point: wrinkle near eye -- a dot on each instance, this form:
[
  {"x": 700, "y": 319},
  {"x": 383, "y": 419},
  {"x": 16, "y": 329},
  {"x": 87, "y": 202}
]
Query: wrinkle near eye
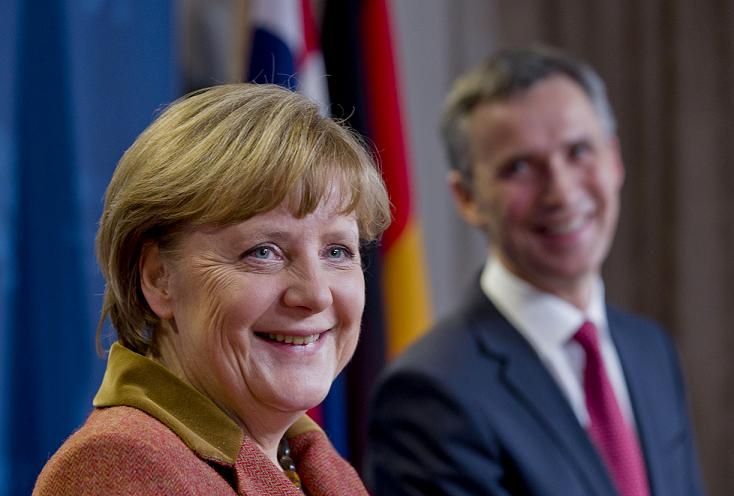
[
  {"x": 261, "y": 266},
  {"x": 217, "y": 277}
]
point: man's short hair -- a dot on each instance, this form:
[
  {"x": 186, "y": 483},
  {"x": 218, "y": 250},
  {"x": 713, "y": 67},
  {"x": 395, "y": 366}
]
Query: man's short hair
[{"x": 503, "y": 75}]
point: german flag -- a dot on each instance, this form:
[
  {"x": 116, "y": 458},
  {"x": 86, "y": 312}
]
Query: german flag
[
  {"x": 364, "y": 86},
  {"x": 363, "y": 89}
]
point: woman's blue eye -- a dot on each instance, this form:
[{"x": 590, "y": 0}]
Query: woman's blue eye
[
  {"x": 338, "y": 252},
  {"x": 262, "y": 252}
]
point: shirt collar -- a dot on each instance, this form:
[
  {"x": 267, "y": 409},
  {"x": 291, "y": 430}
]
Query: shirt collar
[{"x": 545, "y": 319}]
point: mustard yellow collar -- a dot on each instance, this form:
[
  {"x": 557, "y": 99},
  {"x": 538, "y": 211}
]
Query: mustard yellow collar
[
  {"x": 139, "y": 382},
  {"x": 134, "y": 380}
]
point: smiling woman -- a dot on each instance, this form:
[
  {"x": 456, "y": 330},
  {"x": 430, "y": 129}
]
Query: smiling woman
[{"x": 230, "y": 243}]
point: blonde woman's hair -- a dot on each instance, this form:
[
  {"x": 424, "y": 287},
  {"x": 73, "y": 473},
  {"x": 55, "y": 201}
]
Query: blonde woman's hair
[{"x": 220, "y": 156}]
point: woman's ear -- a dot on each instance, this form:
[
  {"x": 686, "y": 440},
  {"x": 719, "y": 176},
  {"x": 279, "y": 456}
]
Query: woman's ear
[{"x": 155, "y": 280}]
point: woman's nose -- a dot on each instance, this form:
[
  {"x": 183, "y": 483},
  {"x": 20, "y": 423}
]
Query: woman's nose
[{"x": 309, "y": 290}]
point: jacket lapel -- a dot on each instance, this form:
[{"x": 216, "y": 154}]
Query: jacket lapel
[
  {"x": 642, "y": 395},
  {"x": 528, "y": 380}
]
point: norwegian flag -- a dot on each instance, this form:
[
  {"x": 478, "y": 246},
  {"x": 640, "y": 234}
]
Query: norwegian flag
[{"x": 285, "y": 48}]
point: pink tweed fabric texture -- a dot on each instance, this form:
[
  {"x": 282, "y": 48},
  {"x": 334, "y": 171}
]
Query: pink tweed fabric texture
[{"x": 123, "y": 451}]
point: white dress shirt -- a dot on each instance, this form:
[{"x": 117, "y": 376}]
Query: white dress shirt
[{"x": 549, "y": 323}]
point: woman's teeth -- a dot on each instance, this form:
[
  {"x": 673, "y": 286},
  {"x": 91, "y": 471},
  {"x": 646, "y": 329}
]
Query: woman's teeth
[{"x": 296, "y": 340}]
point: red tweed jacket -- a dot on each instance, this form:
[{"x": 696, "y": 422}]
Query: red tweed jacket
[{"x": 150, "y": 433}]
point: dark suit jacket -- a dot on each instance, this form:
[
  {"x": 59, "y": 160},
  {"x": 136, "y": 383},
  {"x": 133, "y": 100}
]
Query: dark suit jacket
[{"x": 471, "y": 410}]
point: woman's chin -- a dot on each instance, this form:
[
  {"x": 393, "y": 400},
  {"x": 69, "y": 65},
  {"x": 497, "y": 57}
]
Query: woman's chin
[
  {"x": 301, "y": 398},
  {"x": 301, "y": 402}
]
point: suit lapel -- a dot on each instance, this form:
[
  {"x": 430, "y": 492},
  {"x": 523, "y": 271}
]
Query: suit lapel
[
  {"x": 633, "y": 359},
  {"x": 528, "y": 380}
]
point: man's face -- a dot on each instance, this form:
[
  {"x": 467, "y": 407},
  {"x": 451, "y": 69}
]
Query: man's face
[{"x": 545, "y": 184}]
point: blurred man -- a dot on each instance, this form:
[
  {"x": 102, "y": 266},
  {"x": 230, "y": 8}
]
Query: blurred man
[{"x": 535, "y": 386}]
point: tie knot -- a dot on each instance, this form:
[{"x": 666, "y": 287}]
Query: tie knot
[{"x": 588, "y": 337}]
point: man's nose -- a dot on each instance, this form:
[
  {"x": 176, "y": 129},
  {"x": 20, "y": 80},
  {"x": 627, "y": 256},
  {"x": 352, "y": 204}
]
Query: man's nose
[
  {"x": 309, "y": 289},
  {"x": 561, "y": 183}
]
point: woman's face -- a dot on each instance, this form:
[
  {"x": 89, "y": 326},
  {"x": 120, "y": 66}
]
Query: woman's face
[{"x": 265, "y": 313}]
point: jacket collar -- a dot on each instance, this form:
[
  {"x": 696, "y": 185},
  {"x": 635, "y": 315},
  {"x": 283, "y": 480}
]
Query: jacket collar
[
  {"x": 526, "y": 378},
  {"x": 139, "y": 382},
  {"x": 642, "y": 389},
  {"x": 134, "y": 380}
]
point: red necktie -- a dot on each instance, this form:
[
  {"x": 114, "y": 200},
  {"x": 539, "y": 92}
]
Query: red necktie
[{"x": 614, "y": 439}]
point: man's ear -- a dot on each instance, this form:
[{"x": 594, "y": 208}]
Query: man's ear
[
  {"x": 619, "y": 162},
  {"x": 155, "y": 280},
  {"x": 465, "y": 200}
]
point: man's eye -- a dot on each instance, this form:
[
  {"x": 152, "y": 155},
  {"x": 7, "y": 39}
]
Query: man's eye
[
  {"x": 579, "y": 150},
  {"x": 514, "y": 168}
]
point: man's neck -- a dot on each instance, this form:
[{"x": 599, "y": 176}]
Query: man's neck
[{"x": 577, "y": 291}]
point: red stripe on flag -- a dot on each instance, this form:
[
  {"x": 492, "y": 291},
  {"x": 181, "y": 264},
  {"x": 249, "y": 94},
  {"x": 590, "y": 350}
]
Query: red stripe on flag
[
  {"x": 310, "y": 40},
  {"x": 383, "y": 103}
]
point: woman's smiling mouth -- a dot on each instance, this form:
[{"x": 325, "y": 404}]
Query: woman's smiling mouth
[{"x": 290, "y": 338}]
